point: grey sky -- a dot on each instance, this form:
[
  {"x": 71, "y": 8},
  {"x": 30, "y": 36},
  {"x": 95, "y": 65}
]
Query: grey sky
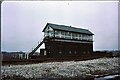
[{"x": 22, "y": 22}]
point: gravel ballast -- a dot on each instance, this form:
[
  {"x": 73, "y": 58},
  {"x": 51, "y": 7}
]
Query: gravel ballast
[{"x": 62, "y": 69}]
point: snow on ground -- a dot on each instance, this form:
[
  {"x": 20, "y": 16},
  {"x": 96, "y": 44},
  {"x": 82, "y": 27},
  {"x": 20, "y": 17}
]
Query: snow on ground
[{"x": 61, "y": 69}]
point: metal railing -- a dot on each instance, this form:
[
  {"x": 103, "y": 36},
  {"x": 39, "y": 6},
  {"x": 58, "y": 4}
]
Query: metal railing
[{"x": 35, "y": 49}]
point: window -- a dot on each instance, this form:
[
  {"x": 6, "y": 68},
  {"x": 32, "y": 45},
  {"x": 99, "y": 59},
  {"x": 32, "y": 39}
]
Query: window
[
  {"x": 51, "y": 33},
  {"x": 60, "y": 52},
  {"x": 57, "y": 34},
  {"x": 79, "y": 36},
  {"x": 70, "y": 52},
  {"x": 83, "y": 37},
  {"x": 48, "y": 32},
  {"x": 88, "y": 52},
  {"x": 67, "y": 35},
  {"x": 45, "y": 53},
  {"x": 75, "y": 52},
  {"x": 45, "y": 34},
  {"x": 91, "y": 38},
  {"x": 73, "y": 35},
  {"x": 88, "y": 38},
  {"x": 62, "y": 34},
  {"x": 83, "y": 52}
]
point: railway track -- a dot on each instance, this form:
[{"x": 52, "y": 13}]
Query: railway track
[{"x": 53, "y": 59}]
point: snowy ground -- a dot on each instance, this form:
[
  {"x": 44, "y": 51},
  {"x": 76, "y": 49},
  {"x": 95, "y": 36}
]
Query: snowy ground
[{"x": 61, "y": 69}]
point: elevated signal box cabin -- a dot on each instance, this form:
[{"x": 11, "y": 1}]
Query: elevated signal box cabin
[{"x": 66, "y": 40}]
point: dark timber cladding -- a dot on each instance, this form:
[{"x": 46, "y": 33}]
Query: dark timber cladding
[{"x": 66, "y": 40}]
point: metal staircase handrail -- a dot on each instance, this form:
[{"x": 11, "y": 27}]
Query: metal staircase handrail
[{"x": 35, "y": 49}]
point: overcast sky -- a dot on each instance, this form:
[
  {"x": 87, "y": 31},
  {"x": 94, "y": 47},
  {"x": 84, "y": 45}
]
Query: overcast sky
[{"x": 23, "y": 22}]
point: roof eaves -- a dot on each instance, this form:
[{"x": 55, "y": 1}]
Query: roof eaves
[
  {"x": 45, "y": 27},
  {"x": 67, "y": 28}
]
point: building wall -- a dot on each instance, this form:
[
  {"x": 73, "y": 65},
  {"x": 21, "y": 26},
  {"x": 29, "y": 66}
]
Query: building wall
[{"x": 58, "y": 48}]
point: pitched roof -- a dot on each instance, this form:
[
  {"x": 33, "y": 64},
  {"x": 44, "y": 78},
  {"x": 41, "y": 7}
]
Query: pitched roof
[{"x": 68, "y": 28}]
